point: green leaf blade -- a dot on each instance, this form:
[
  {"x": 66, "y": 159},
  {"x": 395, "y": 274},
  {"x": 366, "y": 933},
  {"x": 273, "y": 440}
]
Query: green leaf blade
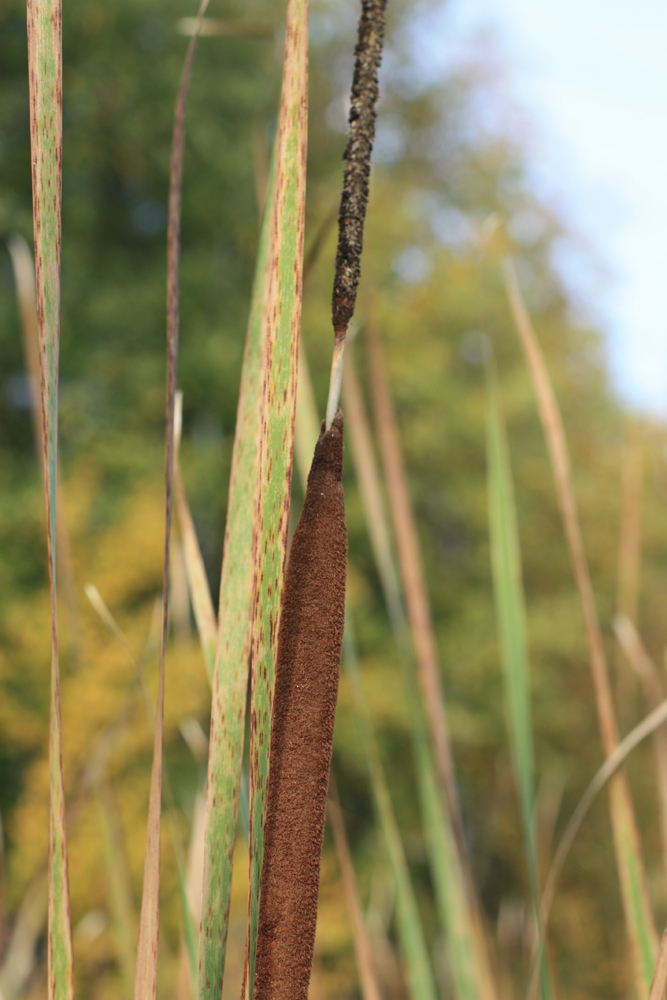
[
  {"x": 45, "y": 80},
  {"x": 511, "y": 618},
  {"x": 230, "y": 676},
  {"x": 279, "y": 377}
]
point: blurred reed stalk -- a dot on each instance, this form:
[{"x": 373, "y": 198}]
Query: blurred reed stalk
[
  {"x": 659, "y": 984},
  {"x": 511, "y": 620},
  {"x": 629, "y": 553},
  {"x": 45, "y": 86},
  {"x": 145, "y": 985},
  {"x": 638, "y": 916},
  {"x": 458, "y": 911},
  {"x": 646, "y": 672},
  {"x": 24, "y": 278},
  {"x": 362, "y": 946},
  {"x": 605, "y": 773}
]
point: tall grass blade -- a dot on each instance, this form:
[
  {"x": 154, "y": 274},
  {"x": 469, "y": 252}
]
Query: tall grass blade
[
  {"x": 19, "y": 955},
  {"x": 26, "y": 294},
  {"x": 511, "y": 613},
  {"x": 649, "y": 677},
  {"x": 306, "y": 423},
  {"x": 121, "y": 903},
  {"x": 362, "y": 946},
  {"x": 659, "y": 984},
  {"x": 410, "y": 931},
  {"x": 145, "y": 985},
  {"x": 638, "y": 916},
  {"x": 281, "y": 317},
  {"x": 458, "y": 909},
  {"x": 629, "y": 558},
  {"x": 511, "y": 617},
  {"x": 4, "y": 924},
  {"x": 45, "y": 81},
  {"x": 604, "y": 774},
  {"x": 226, "y": 29},
  {"x": 466, "y": 947},
  {"x": 200, "y": 593},
  {"x": 411, "y": 570},
  {"x": 96, "y": 768},
  {"x": 234, "y": 635},
  {"x": 630, "y": 541}
]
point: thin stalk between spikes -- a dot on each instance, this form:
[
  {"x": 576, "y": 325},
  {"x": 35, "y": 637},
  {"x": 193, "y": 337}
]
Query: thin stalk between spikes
[
  {"x": 145, "y": 986},
  {"x": 354, "y": 200}
]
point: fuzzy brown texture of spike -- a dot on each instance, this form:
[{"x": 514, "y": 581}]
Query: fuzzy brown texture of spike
[
  {"x": 354, "y": 200},
  {"x": 312, "y": 621}
]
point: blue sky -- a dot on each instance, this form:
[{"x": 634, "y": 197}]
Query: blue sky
[{"x": 592, "y": 78}]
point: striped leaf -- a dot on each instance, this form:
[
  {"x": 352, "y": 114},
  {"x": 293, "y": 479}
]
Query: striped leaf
[
  {"x": 45, "y": 80},
  {"x": 282, "y": 316},
  {"x": 232, "y": 657}
]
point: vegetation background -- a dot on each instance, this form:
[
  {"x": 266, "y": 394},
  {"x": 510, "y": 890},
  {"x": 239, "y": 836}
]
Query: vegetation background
[{"x": 448, "y": 162}]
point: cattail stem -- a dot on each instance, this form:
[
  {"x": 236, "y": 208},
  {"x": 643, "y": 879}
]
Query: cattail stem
[{"x": 335, "y": 381}]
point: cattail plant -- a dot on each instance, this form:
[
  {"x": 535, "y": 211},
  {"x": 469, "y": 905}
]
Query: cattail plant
[
  {"x": 312, "y": 613},
  {"x": 275, "y": 649}
]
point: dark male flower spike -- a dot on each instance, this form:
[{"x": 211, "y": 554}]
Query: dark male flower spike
[{"x": 354, "y": 200}]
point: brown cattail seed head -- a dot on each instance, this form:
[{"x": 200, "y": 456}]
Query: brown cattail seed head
[{"x": 304, "y": 709}]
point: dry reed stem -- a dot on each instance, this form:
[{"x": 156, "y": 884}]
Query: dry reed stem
[
  {"x": 310, "y": 639},
  {"x": 659, "y": 984},
  {"x": 368, "y": 479},
  {"x": 197, "y": 581},
  {"x": 412, "y": 573},
  {"x": 634, "y": 891},
  {"x": 121, "y": 901},
  {"x": 630, "y": 543},
  {"x": 4, "y": 922},
  {"x": 145, "y": 986},
  {"x": 315, "y": 249},
  {"x": 606, "y": 773},
  {"x": 362, "y": 946},
  {"x": 629, "y": 559},
  {"x": 365, "y": 465},
  {"x": 24, "y": 277},
  {"x": 647, "y": 673},
  {"x": 211, "y": 26},
  {"x": 560, "y": 461}
]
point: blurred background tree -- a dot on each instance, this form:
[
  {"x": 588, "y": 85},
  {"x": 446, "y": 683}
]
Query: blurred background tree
[{"x": 449, "y": 193}]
